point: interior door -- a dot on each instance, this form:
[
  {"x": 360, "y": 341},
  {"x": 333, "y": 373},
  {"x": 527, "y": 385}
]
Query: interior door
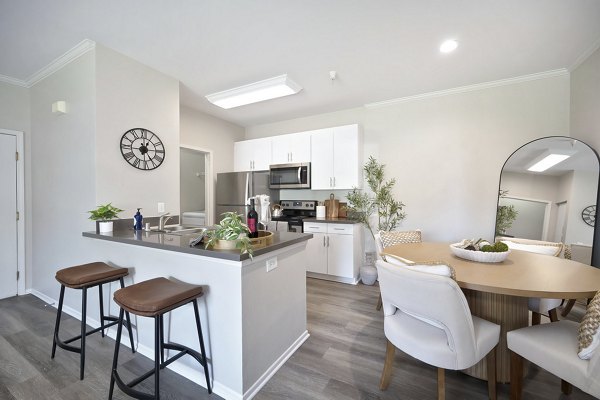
[{"x": 8, "y": 216}]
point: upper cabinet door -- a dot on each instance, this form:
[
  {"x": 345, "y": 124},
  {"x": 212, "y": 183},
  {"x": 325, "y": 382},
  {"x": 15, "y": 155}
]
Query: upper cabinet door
[
  {"x": 292, "y": 148},
  {"x": 252, "y": 155},
  {"x": 347, "y": 165},
  {"x": 321, "y": 159}
]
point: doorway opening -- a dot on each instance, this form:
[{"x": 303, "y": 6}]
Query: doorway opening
[
  {"x": 196, "y": 186},
  {"x": 533, "y": 218}
]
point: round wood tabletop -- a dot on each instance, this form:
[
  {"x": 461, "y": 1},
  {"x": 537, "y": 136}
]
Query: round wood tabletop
[{"x": 521, "y": 274}]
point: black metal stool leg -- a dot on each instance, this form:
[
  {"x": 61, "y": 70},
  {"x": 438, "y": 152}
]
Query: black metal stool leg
[
  {"x": 116, "y": 355},
  {"x": 157, "y": 359},
  {"x": 58, "y": 315},
  {"x": 101, "y": 298},
  {"x": 201, "y": 338},
  {"x": 162, "y": 339},
  {"x": 128, "y": 321},
  {"x": 83, "y": 329}
]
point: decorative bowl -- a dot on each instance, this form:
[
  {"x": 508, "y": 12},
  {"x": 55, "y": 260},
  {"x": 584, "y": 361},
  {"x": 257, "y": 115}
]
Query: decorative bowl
[{"x": 479, "y": 256}]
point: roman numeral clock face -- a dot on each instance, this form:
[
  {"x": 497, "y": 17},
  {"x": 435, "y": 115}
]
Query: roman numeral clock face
[{"x": 142, "y": 149}]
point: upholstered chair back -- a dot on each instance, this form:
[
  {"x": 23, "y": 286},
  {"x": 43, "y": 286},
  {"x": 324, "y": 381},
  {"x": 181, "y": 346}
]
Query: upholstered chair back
[{"x": 435, "y": 300}]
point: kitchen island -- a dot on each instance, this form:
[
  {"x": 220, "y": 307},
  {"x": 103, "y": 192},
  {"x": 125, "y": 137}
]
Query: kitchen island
[{"x": 253, "y": 310}]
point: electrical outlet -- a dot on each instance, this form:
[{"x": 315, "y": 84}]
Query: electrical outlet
[
  {"x": 161, "y": 207},
  {"x": 272, "y": 264},
  {"x": 370, "y": 257}
]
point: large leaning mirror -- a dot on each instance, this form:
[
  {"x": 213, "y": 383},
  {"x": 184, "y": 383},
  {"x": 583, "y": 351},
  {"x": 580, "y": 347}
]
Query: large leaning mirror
[{"x": 552, "y": 203}]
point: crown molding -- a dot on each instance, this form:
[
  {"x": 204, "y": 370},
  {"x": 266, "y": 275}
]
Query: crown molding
[
  {"x": 80, "y": 49},
  {"x": 471, "y": 88},
  {"x": 13, "y": 81},
  {"x": 581, "y": 59}
]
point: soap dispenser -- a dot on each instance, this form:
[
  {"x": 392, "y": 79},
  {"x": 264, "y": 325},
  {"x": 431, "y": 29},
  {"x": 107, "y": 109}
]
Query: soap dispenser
[{"x": 138, "y": 220}]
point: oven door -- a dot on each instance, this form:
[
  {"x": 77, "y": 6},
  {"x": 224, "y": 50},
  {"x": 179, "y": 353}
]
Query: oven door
[{"x": 290, "y": 176}]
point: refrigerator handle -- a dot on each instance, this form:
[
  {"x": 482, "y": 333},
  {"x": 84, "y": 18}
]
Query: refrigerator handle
[{"x": 248, "y": 183}]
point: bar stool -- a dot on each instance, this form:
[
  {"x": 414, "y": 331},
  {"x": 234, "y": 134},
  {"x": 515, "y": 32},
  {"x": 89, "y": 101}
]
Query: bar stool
[
  {"x": 84, "y": 277},
  {"x": 153, "y": 298}
]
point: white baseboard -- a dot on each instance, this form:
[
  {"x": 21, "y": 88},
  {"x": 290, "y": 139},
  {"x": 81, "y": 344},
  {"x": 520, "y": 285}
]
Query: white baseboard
[
  {"x": 333, "y": 278},
  {"x": 254, "y": 389}
]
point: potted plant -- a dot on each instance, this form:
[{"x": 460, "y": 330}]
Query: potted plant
[
  {"x": 377, "y": 211},
  {"x": 505, "y": 215},
  {"x": 231, "y": 233},
  {"x": 104, "y": 214}
]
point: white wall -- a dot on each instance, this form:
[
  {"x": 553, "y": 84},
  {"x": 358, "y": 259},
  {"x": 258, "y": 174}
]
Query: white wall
[
  {"x": 447, "y": 152},
  {"x": 132, "y": 95},
  {"x": 583, "y": 194},
  {"x": 63, "y": 171},
  {"x": 206, "y": 132},
  {"x": 585, "y": 101}
]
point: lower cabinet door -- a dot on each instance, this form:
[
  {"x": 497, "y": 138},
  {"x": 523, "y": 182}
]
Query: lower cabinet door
[
  {"x": 341, "y": 255},
  {"x": 316, "y": 252}
]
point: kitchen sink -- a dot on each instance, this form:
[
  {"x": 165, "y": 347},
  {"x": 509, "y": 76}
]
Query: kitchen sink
[{"x": 179, "y": 229}]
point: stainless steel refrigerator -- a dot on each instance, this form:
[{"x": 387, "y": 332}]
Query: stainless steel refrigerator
[{"x": 233, "y": 188}]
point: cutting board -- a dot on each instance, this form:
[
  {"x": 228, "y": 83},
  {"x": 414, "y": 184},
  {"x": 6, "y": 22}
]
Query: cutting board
[{"x": 332, "y": 207}]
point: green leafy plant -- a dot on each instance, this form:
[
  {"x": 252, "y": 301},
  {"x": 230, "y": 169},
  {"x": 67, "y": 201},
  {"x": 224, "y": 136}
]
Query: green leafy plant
[
  {"x": 362, "y": 206},
  {"x": 231, "y": 227},
  {"x": 104, "y": 213},
  {"x": 505, "y": 215}
]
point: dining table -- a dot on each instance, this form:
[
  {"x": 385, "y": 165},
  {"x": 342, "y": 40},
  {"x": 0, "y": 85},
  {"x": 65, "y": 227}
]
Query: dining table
[{"x": 498, "y": 292}]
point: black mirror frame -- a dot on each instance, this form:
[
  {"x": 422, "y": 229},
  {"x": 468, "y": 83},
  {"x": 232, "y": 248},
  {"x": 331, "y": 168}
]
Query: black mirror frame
[{"x": 596, "y": 237}]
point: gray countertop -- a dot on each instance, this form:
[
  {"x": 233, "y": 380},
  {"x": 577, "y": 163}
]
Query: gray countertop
[{"x": 180, "y": 243}]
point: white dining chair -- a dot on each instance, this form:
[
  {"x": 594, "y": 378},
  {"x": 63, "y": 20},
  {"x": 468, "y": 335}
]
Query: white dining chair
[
  {"x": 533, "y": 343},
  {"x": 536, "y": 305},
  {"x": 426, "y": 316},
  {"x": 385, "y": 239}
]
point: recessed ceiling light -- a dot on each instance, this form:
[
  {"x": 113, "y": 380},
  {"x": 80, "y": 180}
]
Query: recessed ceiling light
[
  {"x": 449, "y": 46},
  {"x": 267, "y": 89}
]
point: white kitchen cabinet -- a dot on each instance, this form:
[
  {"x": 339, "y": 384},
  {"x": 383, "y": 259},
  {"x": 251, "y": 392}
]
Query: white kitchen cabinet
[
  {"x": 291, "y": 148},
  {"x": 336, "y": 158},
  {"x": 252, "y": 155},
  {"x": 335, "y": 252}
]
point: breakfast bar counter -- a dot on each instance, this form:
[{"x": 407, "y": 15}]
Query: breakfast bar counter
[{"x": 253, "y": 310}]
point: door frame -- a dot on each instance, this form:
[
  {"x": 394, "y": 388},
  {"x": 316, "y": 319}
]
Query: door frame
[
  {"x": 20, "y": 208},
  {"x": 208, "y": 181}
]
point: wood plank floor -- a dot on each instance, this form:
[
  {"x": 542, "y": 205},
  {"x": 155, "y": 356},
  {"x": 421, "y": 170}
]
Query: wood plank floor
[{"x": 342, "y": 359}]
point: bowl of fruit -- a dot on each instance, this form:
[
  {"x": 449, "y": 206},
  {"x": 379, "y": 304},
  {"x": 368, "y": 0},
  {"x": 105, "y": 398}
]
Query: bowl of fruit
[{"x": 480, "y": 250}]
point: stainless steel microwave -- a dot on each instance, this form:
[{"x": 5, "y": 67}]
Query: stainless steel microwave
[{"x": 289, "y": 176}]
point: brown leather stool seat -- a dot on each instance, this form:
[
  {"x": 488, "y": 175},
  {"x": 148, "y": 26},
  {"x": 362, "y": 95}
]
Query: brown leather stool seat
[
  {"x": 153, "y": 298},
  {"x": 83, "y": 277}
]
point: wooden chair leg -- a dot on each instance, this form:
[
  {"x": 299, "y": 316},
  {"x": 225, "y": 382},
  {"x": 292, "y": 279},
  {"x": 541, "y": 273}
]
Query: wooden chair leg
[
  {"x": 516, "y": 376},
  {"x": 566, "y": 387},
  {"x": 553, "y": 315},
  {"x": 568, "y": 307},
  {"x": 387, "y": 366},
  {"x": 441, "y": 384},
  {"x": 536, "y": 318},
  {"x": 379, "y": 303},
  {"x": 491, "y": 373}
]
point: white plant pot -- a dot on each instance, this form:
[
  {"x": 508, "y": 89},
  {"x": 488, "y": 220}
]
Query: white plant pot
[
  {"x": 368, "y": 274},
  {"x": 105, "y": 227}
]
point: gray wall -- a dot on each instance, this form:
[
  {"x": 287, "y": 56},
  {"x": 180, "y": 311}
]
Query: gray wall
[{"x": 585, "y": 101}]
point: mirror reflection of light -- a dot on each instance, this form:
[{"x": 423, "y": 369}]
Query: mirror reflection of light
[{"x": 548, "y": 162}]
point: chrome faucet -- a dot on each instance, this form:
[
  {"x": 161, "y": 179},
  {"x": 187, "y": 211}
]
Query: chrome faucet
[{"x": 162, "y": 221}]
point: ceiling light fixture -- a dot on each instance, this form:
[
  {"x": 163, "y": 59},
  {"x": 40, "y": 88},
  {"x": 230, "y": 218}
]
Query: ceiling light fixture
[
  {"x": 547, "y": 161},
  {"x": 267, "y": 89},
  {"x": 448, "y": 46}
]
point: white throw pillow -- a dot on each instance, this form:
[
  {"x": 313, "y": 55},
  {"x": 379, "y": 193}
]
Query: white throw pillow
[
  {"x": 434, "y": 267},
  {"x": 589, "y": 334}
]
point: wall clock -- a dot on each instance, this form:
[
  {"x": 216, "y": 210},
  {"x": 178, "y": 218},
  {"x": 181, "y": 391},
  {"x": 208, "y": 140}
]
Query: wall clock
[
  {"x": 142, "y": 149},
  {"x": 589, "y": 215}
]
